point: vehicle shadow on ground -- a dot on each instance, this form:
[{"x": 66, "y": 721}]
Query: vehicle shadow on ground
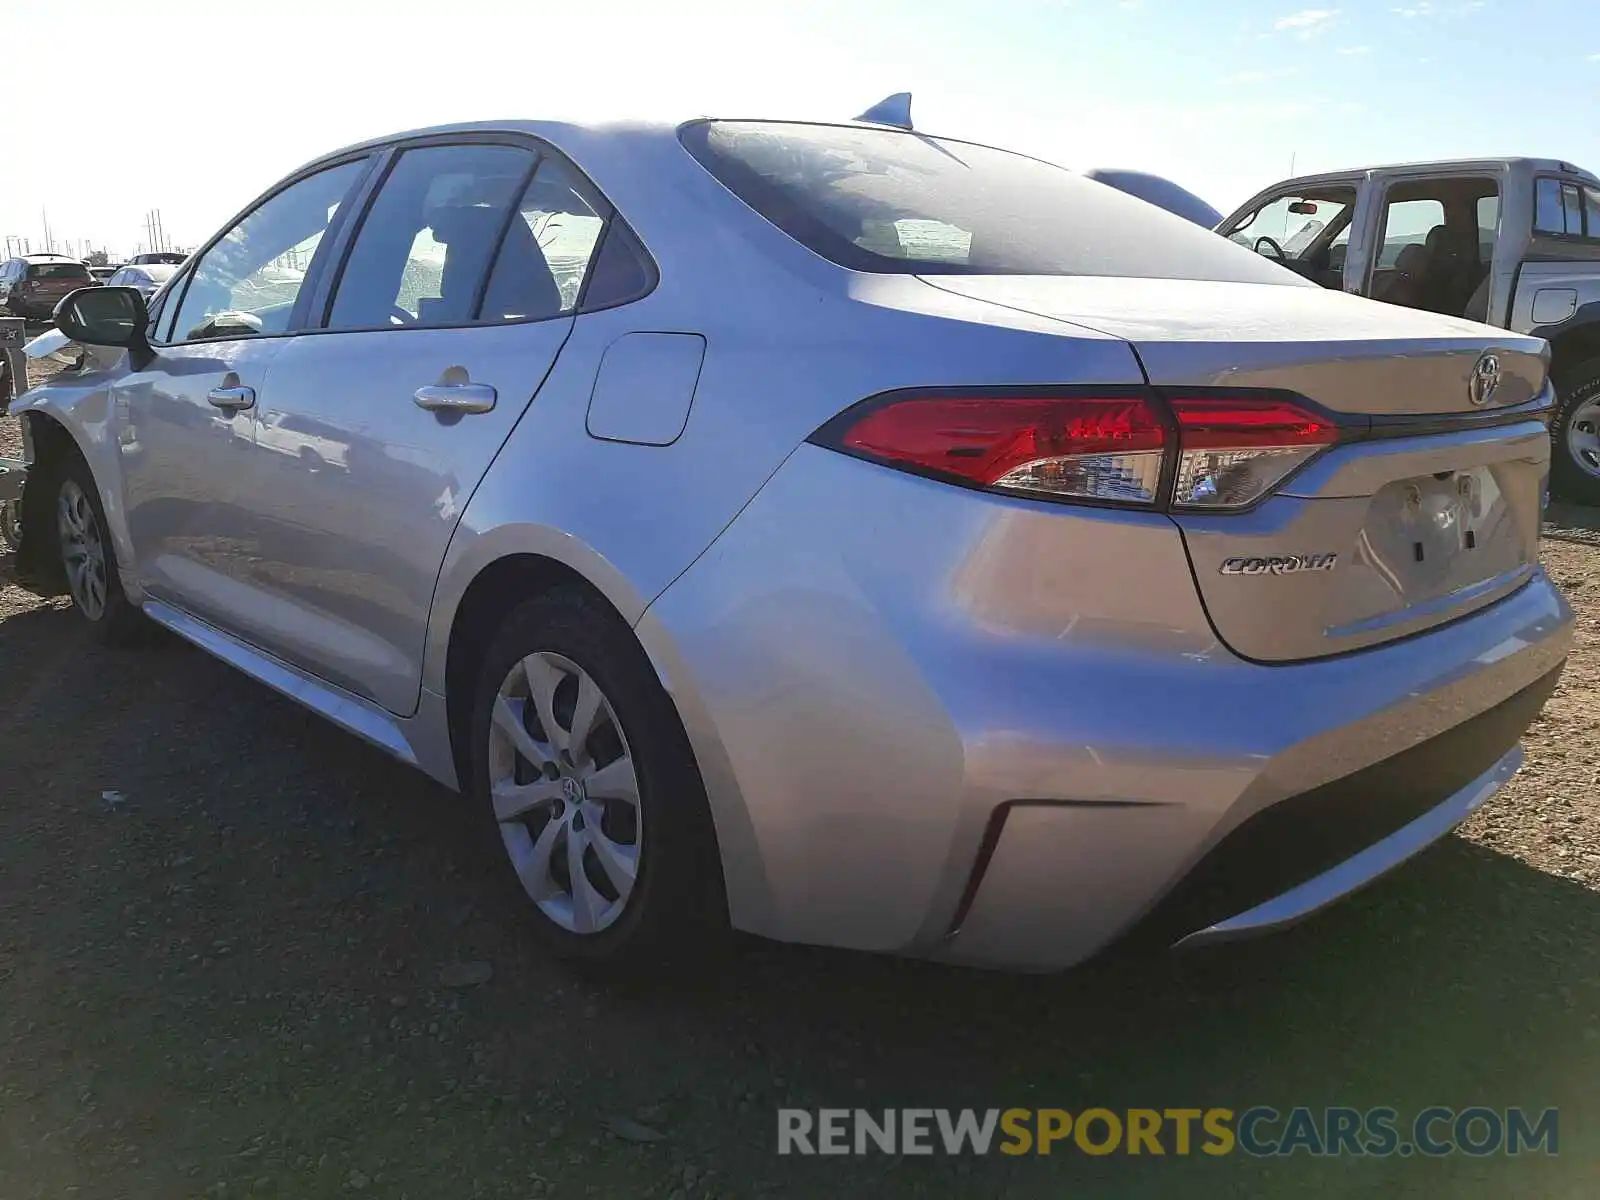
[
  {"x": 1572, "y": 522},
  {"x": 248, "y": 947}
]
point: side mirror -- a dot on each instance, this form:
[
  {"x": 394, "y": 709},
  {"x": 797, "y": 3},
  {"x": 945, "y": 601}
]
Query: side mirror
[
  {"x": 106, "y": 316},
  {"x": 103, "y": 316}
]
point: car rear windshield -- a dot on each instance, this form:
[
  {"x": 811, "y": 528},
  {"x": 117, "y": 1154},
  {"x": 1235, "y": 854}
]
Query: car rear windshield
[
  {"x": 58, "y": 271},
  {"x": 894, "y": 202}
]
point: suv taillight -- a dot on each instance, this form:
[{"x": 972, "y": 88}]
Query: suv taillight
[{"x": 1108, "y": 445}]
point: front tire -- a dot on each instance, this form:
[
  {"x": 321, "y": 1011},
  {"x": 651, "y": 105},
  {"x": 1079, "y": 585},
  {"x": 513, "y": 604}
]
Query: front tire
[
  {"x": 1575, "y": 435},
  {"x": 87, "y": 559},
  {"x": 578, "y": 754}
]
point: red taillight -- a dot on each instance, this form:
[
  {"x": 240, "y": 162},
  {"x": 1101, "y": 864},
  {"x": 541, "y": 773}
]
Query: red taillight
[
  {"x": 1228, "y": 451},
  {"x": 1234, "y": 450},
  {"x": 1081, "y": 447}
]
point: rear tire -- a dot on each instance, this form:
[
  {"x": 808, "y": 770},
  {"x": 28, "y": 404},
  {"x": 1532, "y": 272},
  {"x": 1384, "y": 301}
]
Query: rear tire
[
  {"x": 88, "y": 561},
  {"x": 1575, "y": 435},
  {"x": 648, "y": 889}
]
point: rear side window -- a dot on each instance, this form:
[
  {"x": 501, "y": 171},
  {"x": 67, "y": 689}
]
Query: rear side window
[
  {"x": 59, "y": 271},
  {"x": 1566, "y": 208},
  {"x": 892, "y": 202},
  {"x": 426, "y": 243},
  {"x": 548, "y": 246}
]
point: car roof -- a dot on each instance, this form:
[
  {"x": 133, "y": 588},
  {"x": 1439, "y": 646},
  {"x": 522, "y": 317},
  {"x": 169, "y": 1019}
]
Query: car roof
[
  {"x": 1461, "y": 165},
  {"x": 556, "y": 132},
  {"x": 50, "y": 258}
]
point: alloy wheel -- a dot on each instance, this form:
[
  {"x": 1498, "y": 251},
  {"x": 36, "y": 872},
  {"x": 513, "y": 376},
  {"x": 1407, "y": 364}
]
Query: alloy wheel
[
  {"x": 83, "y": 552},
  {"x": 1583, "y": 436},
  {"x": 565, "y": 793}
]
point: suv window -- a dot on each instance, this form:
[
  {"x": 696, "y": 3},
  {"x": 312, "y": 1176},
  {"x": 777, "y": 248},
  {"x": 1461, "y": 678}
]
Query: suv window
[
  {"x": 427, "y": 241},
  {"x": 247, "y": 283},
  {"x": 59, "y": 271},
  {"x": 1488, "y": 225},
  {"x": 1293, "y": 223},
  {"x": 1407, "y": 223},
  {"x": 955, "y": 207},
  {"x": 545, "y": 256},
  {"x": 1566, "y": 208}
]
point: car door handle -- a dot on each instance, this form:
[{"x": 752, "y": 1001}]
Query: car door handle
[
  {"x": 232, "y": 399},
  {"x": 455, "y": 397}
]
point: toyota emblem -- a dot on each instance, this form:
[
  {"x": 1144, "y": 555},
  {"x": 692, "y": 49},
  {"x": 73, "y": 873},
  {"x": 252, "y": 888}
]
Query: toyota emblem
[{"x": 1485, "y": 379}]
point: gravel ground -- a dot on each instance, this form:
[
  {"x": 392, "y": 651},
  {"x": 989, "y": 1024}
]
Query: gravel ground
[{"x": 229, "y": 935}]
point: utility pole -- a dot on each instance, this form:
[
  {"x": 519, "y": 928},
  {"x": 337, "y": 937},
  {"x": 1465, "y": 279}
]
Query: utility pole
[{"x": 49, "y": 242}]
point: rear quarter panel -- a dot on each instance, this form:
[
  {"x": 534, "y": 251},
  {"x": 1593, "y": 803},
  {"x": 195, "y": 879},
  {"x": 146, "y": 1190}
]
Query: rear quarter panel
[
  {"x": 1555, "y": 298},
  {"x": 790, "y": 341}
]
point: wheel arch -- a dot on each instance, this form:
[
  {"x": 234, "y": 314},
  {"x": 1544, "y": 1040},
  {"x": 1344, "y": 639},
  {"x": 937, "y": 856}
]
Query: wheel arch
[
  {"x": 497, "y": 584},
  {"x": 491, "y": 594},
  {"x": 48, "y": 441},
  {"x": 1574, "y": 342}
]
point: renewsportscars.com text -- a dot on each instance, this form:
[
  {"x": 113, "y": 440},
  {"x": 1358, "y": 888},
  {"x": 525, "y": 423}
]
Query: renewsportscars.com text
[{"x": 1259, "y": 1131}]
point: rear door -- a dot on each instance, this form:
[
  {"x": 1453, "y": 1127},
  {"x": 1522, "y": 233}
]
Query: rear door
[{"x": 454, "y": 299}]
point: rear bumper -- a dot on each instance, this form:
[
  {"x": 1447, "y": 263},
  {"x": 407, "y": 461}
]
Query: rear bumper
[
  {"x": 986, "y": 731},
  {"x": 1296, "y": 857},
  {"x": 1355, "y": 872}
]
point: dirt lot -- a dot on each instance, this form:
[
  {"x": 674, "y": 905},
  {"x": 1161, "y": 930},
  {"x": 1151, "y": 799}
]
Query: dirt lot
[{"x": 223, "y": 923}]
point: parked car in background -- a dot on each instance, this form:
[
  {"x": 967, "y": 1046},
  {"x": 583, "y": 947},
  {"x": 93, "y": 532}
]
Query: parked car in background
[
  {"x": 848, "y": 534},
  {"x": 102, "y": 274},
  {"x": 1512, "y": 242},
  {"x": 145, "y": 277},
  {"x": 168, "y": 258},
  {"x": 32, "y": 284},
  {"x": 1163, "y": 193}
]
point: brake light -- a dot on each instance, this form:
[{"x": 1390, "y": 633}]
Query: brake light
[
  {"x": 1233, "y": 451},
  {"x": 1074, "y": 447},
  {"x": 1225, "y": 452}
]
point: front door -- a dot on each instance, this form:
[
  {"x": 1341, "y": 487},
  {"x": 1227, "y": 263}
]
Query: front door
[
  {"x": 1307, "y": 229},
  {"x": 455, "y": 299},
  {"x": 186, "y": 420}
]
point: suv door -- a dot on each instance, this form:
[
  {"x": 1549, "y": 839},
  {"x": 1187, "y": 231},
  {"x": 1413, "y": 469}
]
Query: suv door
[
  {"x": 1305, "y": 227},
  {"x": 455, "y": 297},
  {"x": 186, "y": 417}
]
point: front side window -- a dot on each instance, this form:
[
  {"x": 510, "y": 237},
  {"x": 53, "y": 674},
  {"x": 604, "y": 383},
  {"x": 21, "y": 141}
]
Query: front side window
[
  {"x": 427, "y": 241},
  {"x": 894, "y": 202},
  {"x": 1291, "y": 227},
  {"x": 247, "y": 283}
]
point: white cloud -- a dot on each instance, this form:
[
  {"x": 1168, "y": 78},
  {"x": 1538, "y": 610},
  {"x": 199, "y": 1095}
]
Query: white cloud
[
  {"x": 1260, "y": 76},
  {"x": 1427, "y": 9},
  {"x": 1307, "y": 23},
  {"x": 1354, "y": 51}
]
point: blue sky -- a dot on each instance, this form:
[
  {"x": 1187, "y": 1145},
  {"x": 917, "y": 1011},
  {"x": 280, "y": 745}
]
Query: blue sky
[{"x": 1217, "y": 94}]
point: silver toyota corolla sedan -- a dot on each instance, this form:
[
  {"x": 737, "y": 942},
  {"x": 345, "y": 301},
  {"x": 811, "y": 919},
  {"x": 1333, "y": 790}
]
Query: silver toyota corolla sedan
[{"x": 828, "y": 531}]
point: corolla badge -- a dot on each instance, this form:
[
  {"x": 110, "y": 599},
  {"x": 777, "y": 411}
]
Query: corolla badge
[
  {"x": 1280, "y": 564},
  {"x": 1485, "y": 379}
]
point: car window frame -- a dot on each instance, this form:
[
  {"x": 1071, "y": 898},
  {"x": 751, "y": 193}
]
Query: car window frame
[
  {"x": 179, "y": 284},
  {"x": 389, "y": 154}
]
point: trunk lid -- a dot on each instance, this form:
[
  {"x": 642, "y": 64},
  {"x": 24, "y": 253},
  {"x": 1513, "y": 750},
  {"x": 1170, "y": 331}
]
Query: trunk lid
[{"x": 1430, "y": 511}]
